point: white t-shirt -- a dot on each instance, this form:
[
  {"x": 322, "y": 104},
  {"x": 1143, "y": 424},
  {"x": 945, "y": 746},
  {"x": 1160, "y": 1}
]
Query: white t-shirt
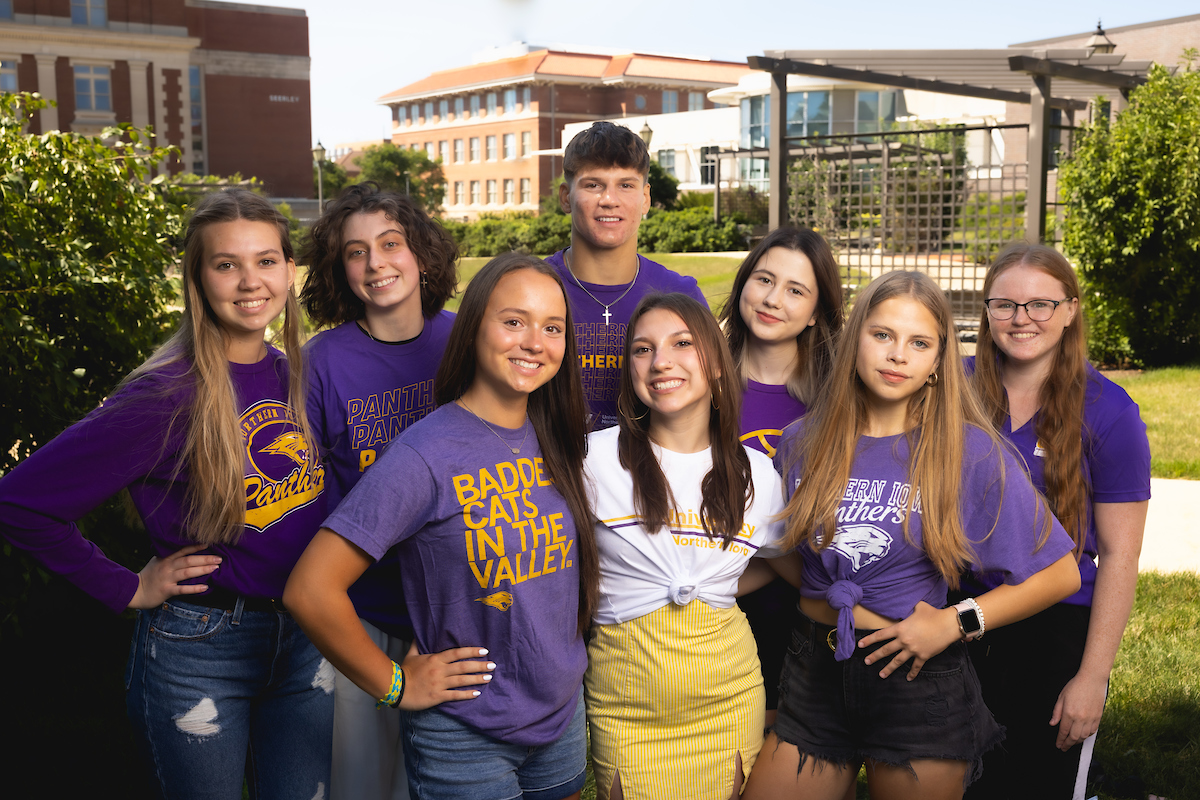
[{"x": 641, "y": 572}]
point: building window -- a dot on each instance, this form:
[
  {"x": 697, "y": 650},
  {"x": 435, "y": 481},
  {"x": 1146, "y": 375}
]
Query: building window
[
  {"x": 444, "y": 151},
  {"x": 491, "y": 190},
  {"x": 458, "y": 151},
  {"x": 639, "y": 102},
  {"x": 429, "y": 151},
  {"x": 510, "y": 191},
  {"x": 476, "y": 198},
  {"x": 510, "y": 101},
  {"x": 474, "y": 148},
  {"x": 526, "y": 143},
  {"x": 708, "y": 165},
  {"x": 754, "y": 172},
  {"x": 460, "y": 193},
  {"x": 666, "y": 160},
  {"x": 756, "y": 116},
  {"x": 808, "y": 113},
  {"x": 695, "y": 101},
  {"x": 491, "y": 104},
  {"x": 6, "y": 13},
  {"x": 443, "y": 109},
  {"x": 526, "y": 192},
  {"x": 416, "y": 113},
  {"x": 399, "y": 115},
  {"x": 670, "y": 101},
  {"x": 428, "y": 111},
  {"x": 458, "y": 108},
  {"x": 526, "y": 103},
  {"x": 415, "y": 146},
  {"x": 491, "y": 148},
  {"x": 92, "y": 13},
  {"x": 8, "y": 74},
  {"x": 510, "y": 146},
  {"x": 92, "y": 89},
  {"x": 474, "y": 105},
  {"x": 196, "y": 97}
]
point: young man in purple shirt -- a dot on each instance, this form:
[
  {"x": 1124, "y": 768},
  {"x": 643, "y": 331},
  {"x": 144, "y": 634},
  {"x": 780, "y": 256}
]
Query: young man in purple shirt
[{"x": 606, "y": 192}]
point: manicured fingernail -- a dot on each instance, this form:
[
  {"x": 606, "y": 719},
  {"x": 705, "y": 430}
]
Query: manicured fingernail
[
  {"x": 487, "y": 677},
  {"x": 483, "y": 651},
  {"x": 476, "y": 694},
  {"x": 491, "y": 665}
]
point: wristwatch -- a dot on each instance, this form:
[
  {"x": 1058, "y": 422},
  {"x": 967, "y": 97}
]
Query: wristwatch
[{"x": 970, "y": 619}]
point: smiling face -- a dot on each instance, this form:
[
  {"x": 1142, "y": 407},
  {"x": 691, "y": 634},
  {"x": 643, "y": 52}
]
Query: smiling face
[
  {"x": 1021, "y": 339},
  {"x": 245, "y": 279},
  {"x": 381, "y": 270},
  {"x": 898, "y": 349},
  {"x": 779, "y": 299},
  {"x": 520, "y": 343},
  {"x": 606, "y": 205},
  {"x": 667, "y": 372}
]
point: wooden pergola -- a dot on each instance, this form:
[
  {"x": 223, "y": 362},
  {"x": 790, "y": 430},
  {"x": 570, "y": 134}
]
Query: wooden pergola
[{"x": 1015, "y": 75}]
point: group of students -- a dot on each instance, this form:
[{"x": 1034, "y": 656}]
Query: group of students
[{"x": 476, "y": 539}]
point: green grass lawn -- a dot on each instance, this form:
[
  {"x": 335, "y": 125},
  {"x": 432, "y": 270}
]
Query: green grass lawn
[{"x": 1169, "y": 400}]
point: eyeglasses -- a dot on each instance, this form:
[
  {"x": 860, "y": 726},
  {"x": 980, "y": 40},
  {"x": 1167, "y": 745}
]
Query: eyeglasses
[{"x": 1038, "y": 310}]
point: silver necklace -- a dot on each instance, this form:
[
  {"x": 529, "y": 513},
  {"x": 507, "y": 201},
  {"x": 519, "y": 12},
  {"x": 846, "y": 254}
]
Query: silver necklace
[
  {"x": 515, "y": 450},
  {"x": 607, "y": 306}
]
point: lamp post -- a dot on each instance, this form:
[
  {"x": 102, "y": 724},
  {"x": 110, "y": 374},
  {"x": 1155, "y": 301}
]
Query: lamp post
[
  {"x": 1100, "y": 43},
  {"x": 646, "y": 133},
  {"x": 318, "y": 153}
]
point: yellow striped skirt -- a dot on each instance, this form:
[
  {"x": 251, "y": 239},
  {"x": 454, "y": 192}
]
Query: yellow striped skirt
[{"x": 671, "y": 698}]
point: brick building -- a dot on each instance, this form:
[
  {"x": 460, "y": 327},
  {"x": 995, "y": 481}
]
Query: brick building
[
  {"x": 226, "y": 83},
  {"x": 492, "y": 122}
]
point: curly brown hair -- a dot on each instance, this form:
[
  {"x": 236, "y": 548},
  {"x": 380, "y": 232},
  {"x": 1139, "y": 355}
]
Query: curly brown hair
[{"x": 327, "y": 296}]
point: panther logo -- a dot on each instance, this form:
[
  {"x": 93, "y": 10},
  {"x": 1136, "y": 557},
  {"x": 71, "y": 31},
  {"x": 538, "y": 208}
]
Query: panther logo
[
  {"x": 500, "y": 600},
  {"x": 291, "y": 445},
  {"x": 862, "y": 544}
]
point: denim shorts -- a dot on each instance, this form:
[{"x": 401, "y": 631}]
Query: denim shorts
[
  {"x": 447, "y": 760},
  {"x": 842, "y": 712}
]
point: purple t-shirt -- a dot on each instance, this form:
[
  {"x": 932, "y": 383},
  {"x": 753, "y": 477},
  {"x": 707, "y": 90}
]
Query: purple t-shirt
[
  {"x": 766, "y": 410},
  {"x": 489, "y": 559},
  {"x": 601, "y": 341},
  {"x": 362, "y": 394},
  {"x": 121, "y": 445},
  {"x": 1116, "y": 462},
  {"x": 871, "y": 562}
]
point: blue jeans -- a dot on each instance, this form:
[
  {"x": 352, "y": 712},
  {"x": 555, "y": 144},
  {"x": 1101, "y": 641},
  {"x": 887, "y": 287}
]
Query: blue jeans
[
  {"x": 446, "y": 760},
  {"x": 215, "y": 696}
]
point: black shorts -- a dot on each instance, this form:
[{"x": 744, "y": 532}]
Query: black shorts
[{"x": 844, "y": 713}]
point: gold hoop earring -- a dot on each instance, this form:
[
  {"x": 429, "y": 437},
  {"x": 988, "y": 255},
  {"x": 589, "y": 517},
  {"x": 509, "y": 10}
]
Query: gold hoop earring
[
  {"x": 932, "y": 380},
  {"x": 713, "y": 398},
  {"x": 621, "y": 409}
]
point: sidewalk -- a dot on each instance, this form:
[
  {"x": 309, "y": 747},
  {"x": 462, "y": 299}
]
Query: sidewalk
[{"x": 1172, "y": 542}]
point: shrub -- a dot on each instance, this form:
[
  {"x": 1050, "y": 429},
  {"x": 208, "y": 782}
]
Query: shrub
[{"x": 690, "y": 231}]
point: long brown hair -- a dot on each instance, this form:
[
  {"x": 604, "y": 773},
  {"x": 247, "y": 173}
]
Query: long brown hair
[
  {"x": 557, "y": 409},
  {"x": 940, "y": 416},
  {"x": 727, "y": 489},
  {"x": 814, "y": 344},
  {"x": 214, "y": 450},
  {"x": 1059, "y": 424},
  {"x": 327, "y": 296}
]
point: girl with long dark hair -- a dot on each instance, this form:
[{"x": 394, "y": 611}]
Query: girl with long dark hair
[
  {"x": 485, "y": 500},
  {"x": 1085, "y": 446},
  {"x": 210, "y": 439},
  {"x": 675, "y": 695}
]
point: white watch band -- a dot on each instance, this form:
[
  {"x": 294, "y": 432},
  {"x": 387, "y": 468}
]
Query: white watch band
[{"x": 970, "y": 605}]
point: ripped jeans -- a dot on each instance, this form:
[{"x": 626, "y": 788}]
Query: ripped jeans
[{"x": 215, "y": 696}]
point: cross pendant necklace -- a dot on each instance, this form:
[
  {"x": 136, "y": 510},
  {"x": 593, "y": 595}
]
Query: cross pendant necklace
[{"x": 607, "y": 314}]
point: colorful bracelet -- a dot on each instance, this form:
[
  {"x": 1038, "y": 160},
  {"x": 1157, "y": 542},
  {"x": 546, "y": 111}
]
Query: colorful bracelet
[{"x": 396, "y": 693}]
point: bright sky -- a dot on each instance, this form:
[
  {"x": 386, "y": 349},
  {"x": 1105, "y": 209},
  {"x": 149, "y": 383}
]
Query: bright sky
[{"x": 362, "y": 49}]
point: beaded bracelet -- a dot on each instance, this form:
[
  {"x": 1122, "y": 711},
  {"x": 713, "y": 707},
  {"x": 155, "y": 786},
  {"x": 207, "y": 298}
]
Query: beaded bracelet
[{"x": 396, "y": 693}]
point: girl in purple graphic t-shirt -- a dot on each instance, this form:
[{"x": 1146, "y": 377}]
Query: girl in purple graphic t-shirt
[
  {"x": 380, "y": 272},
  {"x": 209, "y": 437},
  {"x": 1085, "y": 445},
  {"x": 897, "y": 483},
  {"x": 782, "y": 318},
  {"x": 484, "y": 501}
]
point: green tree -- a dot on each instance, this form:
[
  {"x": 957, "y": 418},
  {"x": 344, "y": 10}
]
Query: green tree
[
  {"x": 1132, "y": 192},
  {"x": 410, "y": 172},
  {"x": 664, "y": 187},
  {"x": 333, "y": 179}
]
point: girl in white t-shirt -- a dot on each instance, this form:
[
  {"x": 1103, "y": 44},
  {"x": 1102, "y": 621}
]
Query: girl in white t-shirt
[{"x": 674, "y": 690}]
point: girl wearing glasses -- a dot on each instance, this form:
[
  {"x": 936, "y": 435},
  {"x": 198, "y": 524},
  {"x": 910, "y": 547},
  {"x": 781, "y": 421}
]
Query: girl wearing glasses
[{"x": 1085, "y": 446}]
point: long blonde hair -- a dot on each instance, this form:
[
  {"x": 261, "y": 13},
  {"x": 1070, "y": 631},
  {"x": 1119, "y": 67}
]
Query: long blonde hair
[
  {"x": 1060, "y": 398},
  {"x": 214, "y": 450},
  {"x": 939, "y": 416}
]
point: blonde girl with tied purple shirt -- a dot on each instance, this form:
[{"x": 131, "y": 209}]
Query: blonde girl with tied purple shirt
[
  {"x": 380, "y": 271},
  {"x": 897, "y": 483},
  {"x": 210, "y": 439},
  {"x": 782, "y": 318}
]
